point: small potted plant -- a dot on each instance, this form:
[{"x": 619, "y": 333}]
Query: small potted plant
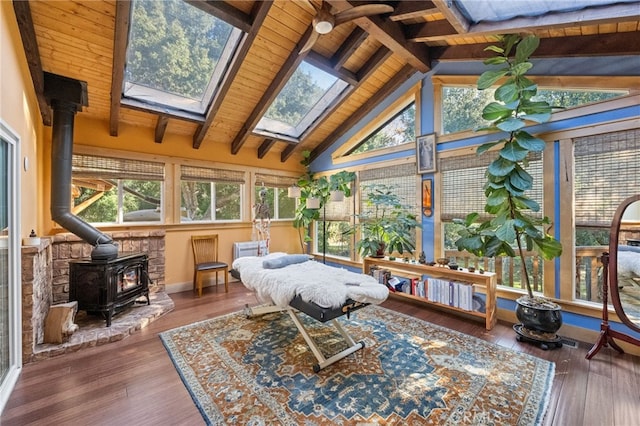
[
  {"x": 512, "y": 226},
  {"x": 386, "y": 226}
]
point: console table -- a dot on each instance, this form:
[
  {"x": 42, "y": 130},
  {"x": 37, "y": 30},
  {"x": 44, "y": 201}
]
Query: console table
[{"x": 485, "y": 282}]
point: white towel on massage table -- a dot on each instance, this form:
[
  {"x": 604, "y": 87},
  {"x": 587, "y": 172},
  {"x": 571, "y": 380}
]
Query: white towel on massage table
[{"x": 324, "y": 285}]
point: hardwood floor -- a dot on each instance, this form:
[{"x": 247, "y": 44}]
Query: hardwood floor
[{"x": 133, "y": 382}]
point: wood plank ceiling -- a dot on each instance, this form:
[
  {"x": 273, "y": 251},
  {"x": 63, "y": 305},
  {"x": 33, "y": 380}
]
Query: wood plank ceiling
[{"x": 86, "y": 40}]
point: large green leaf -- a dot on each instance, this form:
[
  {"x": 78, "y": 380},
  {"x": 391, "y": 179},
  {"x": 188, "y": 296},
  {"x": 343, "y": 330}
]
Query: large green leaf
[
  {"x": 529, "y": 142},
  {"x": 510, "y": 125},
  {"x": 513, "y": 152},
  {"x": 517, "y": 181},
  {"x": 526, "y": 47},
  {"x": 495, "y": 60},
  {"x": 529, "y": 107},
  {"x": 521, "y": 68},
  {"x": 488, "y": 78},
  {"x": 538, "y": 118},
  {"x": 506, "y": 232},
  {"x": 497, "y": 197},
  {"x": 549, "y": 248},
  {"x": 486, "y": 147},
  {"x": 506, "y": 93},
  {"x": 501, "y": 167},
  {"x": 494, "y": 110}
]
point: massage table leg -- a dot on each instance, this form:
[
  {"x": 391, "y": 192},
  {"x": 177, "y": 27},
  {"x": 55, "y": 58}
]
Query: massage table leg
[{"x": 322, "y": 361}]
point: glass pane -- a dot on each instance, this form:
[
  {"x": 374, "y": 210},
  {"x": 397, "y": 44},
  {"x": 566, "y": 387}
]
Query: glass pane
[
  {"x": 142, "y": 201},
  {"x": 95, "y": 205},
  {"x": 177, "y": 54},
  {"x": 196, "y": 201},
  {"x": 308, "y": 93},
  {"x": 338, "y": 243},
  {"x": 227, "y": 201},
  {"x": 399, "y": 130},
  {"x": 286, "y": 205}
]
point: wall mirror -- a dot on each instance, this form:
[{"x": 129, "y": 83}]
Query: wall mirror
[
  {"x": 621, "y": 268},
  {"x": 624, "y": 262}
]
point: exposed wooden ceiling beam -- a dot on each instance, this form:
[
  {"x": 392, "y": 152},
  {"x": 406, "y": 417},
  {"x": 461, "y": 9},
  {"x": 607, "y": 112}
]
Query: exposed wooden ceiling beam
[
  {"x": 372, "y": 64},
  {"x": 161, "y": 127},
  {"x": 346, "y": 49},
  {"x": 265, "y": 146},
  {"x": 259, "y": 13},
  {"x": 30, "y": 43},
  {"x": 406, "y": 10},
  {"x": 615, "y": 44},
  {"x": 453, "y": 15},
  {"x": 391, "y": 35},
  {"x": 123, "y": 13},
  {"x": 226, "y": 12},
  {"x": 402, "y": 76},
  {"x": 325, "y": 64},
  {"x": 281, "y": 78}
]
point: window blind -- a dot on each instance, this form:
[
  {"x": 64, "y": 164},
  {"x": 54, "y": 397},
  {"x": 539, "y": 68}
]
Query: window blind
[
  {"x": 402, "y": 178},
  {"x": 91, "y": 166},
  {"x": 607, "y": 171},
  {"x": 202, "y": 174},
  {"x": 274, "y": 181},
  {"x": 463, "y": 179}
]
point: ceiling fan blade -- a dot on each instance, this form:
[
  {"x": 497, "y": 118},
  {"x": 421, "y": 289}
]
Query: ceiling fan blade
[
  {"x": 360, "y": 11},
  {"x": 309, "y": 44},
  {"x": 310, "y": 6}
]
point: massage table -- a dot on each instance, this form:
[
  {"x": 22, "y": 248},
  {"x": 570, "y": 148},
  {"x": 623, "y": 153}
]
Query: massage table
[{"x": 296, "y": 284}]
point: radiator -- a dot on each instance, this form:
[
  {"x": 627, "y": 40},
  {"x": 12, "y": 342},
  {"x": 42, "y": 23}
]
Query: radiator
[{"x": 250, "y": 248}]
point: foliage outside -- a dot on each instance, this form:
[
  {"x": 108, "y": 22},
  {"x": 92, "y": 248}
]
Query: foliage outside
[
  {"x": 507, "y": 180},
  {"x": 320, "y": 188},
  {"x": 387, "y": 225},
  {"x": 399, "y": 130}
]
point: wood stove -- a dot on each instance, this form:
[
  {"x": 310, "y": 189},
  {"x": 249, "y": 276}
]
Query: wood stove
[{"x": 108, "y": 287}]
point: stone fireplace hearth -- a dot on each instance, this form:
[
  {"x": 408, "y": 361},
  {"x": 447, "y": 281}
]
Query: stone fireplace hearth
[{"x": 45, "y": 282}]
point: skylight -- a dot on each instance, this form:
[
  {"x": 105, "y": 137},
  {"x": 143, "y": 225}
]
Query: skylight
[
  {"x": 492, "y": 10},
  {"x": 177, "y": 55},
  {"x": 307, "y": 94}
]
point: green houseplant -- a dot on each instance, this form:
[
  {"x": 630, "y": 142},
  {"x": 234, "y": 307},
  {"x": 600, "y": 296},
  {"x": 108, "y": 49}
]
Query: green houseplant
[
  {"x": 512, "y": 226},
  {"x": 320, "y": 189},
  {"x": 387, "y": 224}
]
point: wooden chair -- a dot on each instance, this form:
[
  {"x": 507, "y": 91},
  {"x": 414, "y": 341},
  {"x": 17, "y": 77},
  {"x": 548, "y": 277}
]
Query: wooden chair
[{"x": 205, "y": 256}]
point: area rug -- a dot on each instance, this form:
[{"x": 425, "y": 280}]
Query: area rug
[{"x": 259, "y": 372}]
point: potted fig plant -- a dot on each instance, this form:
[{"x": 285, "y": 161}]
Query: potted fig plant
[
  {"x": 512, "y": 225},
  {"x": 386, "y": 225}
]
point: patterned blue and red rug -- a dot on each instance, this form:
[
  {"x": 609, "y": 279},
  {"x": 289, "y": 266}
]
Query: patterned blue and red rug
[{"x": 259, "y": 372}]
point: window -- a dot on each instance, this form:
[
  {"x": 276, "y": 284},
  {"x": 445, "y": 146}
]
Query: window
[
  {"x": 462, "y": 192},
  {"x": 210, "y": 194},
  {"x": 177, "y": 55},
  {"x": 462, "y": 106},
  {"x": 331, "y": 230},
  {"x": 307, "y": 94},
  {"x": 116, "y": 190},
  {"x": 399, "y": 130},
  {"x": 278, "y": 202},
  {"x": 606, "y": 172}
]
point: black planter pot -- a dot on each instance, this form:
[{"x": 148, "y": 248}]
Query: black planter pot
[{"x": 542, "y": 319}]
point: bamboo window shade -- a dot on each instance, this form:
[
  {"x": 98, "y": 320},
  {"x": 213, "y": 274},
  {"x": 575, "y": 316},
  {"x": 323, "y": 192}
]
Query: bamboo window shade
[
  {"x": 202, "y": 174},
  {"x": 274, "y": 181},
  {"x": 402, "y": 178},
  {"x": 91, "y": 166},
  {"x": 463, "y": 179},
  {"x": 607, "y": 170}
]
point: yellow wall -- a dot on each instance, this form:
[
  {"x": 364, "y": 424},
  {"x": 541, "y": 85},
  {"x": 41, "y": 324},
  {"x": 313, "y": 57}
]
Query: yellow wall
[{"x": 19, "y": 111}]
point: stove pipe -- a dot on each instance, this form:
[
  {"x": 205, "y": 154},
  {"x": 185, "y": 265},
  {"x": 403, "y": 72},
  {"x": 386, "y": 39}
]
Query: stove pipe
[{"x": 67, "y": 96}]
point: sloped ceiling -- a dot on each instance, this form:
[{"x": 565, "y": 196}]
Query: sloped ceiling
[{"x": 86, "y": 40}]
